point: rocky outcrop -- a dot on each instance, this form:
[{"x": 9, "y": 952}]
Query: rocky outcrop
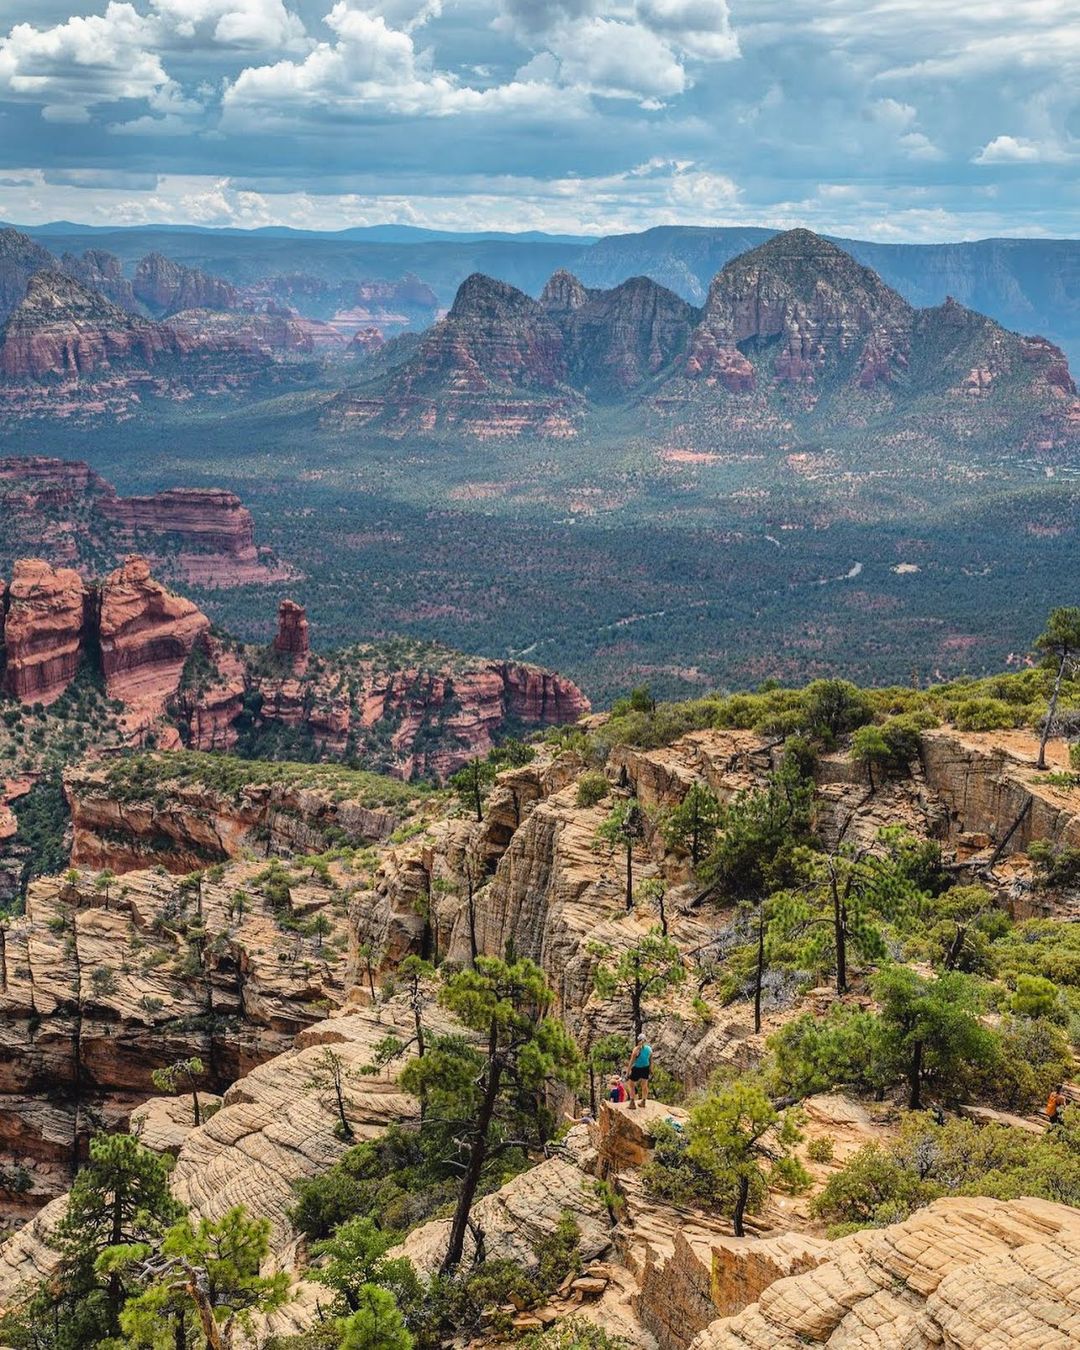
[
  {"x": 164, "y": 287},
  {"x": 291, "y": 638},
  {"x": 62, "y": 509},
  {"x": 45, "y": 624},
  {"x": 969, "y": 1274},
  {"x": 103, "y": 272},
  {"x": 63, "y": 331},
  {"x": 103, "y": 983},
  {"x": 20, "y": 258},
  {"x": 615, "y": 341},
  {"x": 812, "y": 305},
  {"x": 146, "y": 634},
  {"x": 418, "y": 712},
  {"x": 213, "y": 528},
  {"x": 181, "y": 820},
  {"x": 271, "y": 334}
]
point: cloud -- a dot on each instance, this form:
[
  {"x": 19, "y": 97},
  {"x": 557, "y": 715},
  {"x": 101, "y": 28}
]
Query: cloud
[
  {"x": 616, "y": 59},
  {"x": 73, "y": 66},
  {"x": 1020, "y": 150},
  {"x": 372, "y": 71},
  {"x": 101, "y": 178},
  {"x": 252, "y": 24}
]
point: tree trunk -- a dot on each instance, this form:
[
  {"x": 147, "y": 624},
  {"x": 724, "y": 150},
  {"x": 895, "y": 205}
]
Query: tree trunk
[
  {"x": 346, "y": 1128},
  {"x": 663, "y": 913},
  {"x": 915, "y": 1077},
  {"x": 740, "y": 1206},
  {"x": 195, "y": 1106},
  {"x": 635, "y": 1012},
  {"x": 759, "y": 974},
  {"x": 956, "y": 947},
  {"x": 477, "y": 1155},
  {"x": 473, "y": 950},
  {"x": 629, "y": 876},
  {"x": 592, "y": 1088},
  {"x": 200, "y": 1296},
  {"x": 839, "y": 935},
  {"x": 1040, "y": 763},
  {"x": 180, "y": 1331}
]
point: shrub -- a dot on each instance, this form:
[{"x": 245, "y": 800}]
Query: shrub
[
  {"x": 592, "y": 788},
  {"x": 820, "y": 1150},
  {"x": 984, "y": 714}
]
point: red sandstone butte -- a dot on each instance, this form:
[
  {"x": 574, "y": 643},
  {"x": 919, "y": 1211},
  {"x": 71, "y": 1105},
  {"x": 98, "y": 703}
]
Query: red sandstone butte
[
  {"x": 147, "y": 633},
  {"x": 44, "y": 624},
  {"x": 291, "y": 638}
]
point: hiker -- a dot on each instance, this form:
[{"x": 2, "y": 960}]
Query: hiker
[
  {"x": 586, "y": 1117},
  {"x": 617, "y": 1090},
  {"x": 638, "y": 1071},
  {"x": 1054, "y": 1103}
]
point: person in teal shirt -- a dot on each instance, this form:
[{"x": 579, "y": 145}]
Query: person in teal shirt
[{"x": 638, "y": 1073}]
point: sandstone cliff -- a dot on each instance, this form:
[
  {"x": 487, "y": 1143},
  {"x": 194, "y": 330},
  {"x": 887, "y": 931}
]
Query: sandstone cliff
[
  {"x": 105, "y": 981},
  {"x": 45, "y": 623},
  {"x": 171, "y": 811}
]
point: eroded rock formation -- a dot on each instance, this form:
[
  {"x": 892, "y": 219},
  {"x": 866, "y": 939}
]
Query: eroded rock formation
[
  {"x": 291, "y": 638},
  {"x": 146, "y": 634},
  {"x": 45, "y": 623}
]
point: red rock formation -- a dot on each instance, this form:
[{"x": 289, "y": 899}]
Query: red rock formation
[
  {"x": 44, "y": 628},
  {"x": 269, "y": 334},
  {"x": 146, "y": 634},
  {"x": 210, "y": 519},
  {"x": 166, "y": 287},
  {"x": 63, "y": 330},
  {"x": 812, "y": 302},
  {"x": 291, "y": 638},
  {"x": 20, "y": 258},
  {"x": 102, "y": 272}
]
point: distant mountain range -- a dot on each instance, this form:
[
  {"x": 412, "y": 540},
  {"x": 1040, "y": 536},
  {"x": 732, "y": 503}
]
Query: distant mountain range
[
  {"x": 1031, "y": 285},
  {"x": 796, "y": 340}
]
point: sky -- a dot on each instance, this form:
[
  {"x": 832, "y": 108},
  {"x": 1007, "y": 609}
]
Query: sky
[{"x": 918, "y": 120}]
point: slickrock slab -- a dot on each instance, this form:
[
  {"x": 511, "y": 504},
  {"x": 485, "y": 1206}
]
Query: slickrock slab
[
  {"x": 163, "y": 1123},
  {"x": 518, "y": 1215},
  {"x": 970, "y": 1274},
  {"x": 274, "y": 1128}
]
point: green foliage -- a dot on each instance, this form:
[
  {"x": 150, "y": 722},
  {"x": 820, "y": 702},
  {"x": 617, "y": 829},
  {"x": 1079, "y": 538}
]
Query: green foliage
[
  {"x": 985, "y": 714},
  {"x": 722, "y": 1161},
  {"x": 691, "y": 826},
  {"x": 831, "y": 708},
  {"x": 376, "y": 1324},
  {"x": 820, "y": 1150},
  {"x": 205, "y": 1272},
  {"x": 120, "y": 1197},
  {"x": 638, "y": 974},
  {"x": 472, "y": 784},
  {"x": 592, "y": 788},
  {"x": 573, "y": 1333},
  {"x": 1055, "y": 868},
  {"x": 885, "y": 1183},
  {"x": 760, "y": 830},
  {"x": 848, "y": 1046}
]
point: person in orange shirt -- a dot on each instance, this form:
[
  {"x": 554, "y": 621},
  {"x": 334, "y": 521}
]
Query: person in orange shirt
[{"x": 1054, "y": 1104}]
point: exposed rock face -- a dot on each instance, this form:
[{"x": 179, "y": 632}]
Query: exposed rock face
[
  {"x": 65, "y": 511},
  {"x": 793, "y": 327},
  {"x": 146, "y": 633},
  {"x": 183, "y": 827},
  {"x": 44, "y": 628},
  {"x": 617, "y": 340},
  {"x": 214, "y": 528},
  {"x": 165, "y": 287},
  {"x": 102, "y": 272},
  {"x": 62, "y": 330},
  {"x": 20, "y": 258},
  {"x": 813, "y": 304},
  {"x": 970, "y": 1274},
  {"x": 496, "y": 356},
  {"x": 269, "y": 334},
  {"x": 426, "y": 713},
  {"x": 100, "y": 989},
  {"x": 291, "y": 638}
]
